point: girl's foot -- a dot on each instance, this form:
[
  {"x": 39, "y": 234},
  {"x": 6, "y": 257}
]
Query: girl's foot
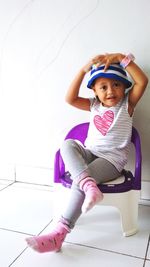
[
  {"x": 49, "y": 242},
  {"x": 92, "y": 193}
]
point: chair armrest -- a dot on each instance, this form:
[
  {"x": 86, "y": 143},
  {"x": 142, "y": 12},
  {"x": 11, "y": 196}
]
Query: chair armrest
[
  {"x": 59, "y": 167},
  {"x": 138, "y": 159}
]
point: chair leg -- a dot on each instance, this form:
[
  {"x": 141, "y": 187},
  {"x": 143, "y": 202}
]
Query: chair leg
[
  {"x": 129, "y": 214},
  {"x": 129, "y": 222},
  {"x": 127, "y": 204}
]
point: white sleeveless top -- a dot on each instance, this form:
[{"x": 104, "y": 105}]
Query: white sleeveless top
[{"x": 110, "y": 130}]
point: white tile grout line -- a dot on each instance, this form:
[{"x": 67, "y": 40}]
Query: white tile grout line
[
  {"x": 6, "y": 186},
  {"x": 78, "y": 244},
  {"x": 27, "y": 183},
  {"x": 105, "y": 250},
  {"x": 17, "y": 257},
  {"x": 90, "y": 247},
  {"x": 15, "y": 231},
  {"x": 148, "y": 245},
  {"x": 144, "y": 202}
]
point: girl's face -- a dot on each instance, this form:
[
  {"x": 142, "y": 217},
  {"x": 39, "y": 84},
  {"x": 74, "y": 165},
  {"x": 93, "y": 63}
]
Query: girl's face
[{"x": 109, "y": 91}]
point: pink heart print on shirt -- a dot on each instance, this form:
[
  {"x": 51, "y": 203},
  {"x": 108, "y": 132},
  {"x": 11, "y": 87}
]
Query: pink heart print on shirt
[{"x": 104, "y": 122}]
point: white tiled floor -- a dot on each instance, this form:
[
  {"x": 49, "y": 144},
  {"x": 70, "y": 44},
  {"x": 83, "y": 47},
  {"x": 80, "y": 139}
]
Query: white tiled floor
[{"x": 96, "y": 240}]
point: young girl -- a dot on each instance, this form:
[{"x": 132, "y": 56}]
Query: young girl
[{"x": 106, "y": 148}]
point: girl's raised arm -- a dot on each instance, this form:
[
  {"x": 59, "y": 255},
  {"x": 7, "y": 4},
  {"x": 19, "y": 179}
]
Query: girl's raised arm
[
  {"x": 140, "y": 83},
  {"x": 72, "y": 96}
]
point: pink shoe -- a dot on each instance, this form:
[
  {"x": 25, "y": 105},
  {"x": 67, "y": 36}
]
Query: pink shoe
[
  {"x": 49, "y": 242},
  {"x": 92, "y": 193}
]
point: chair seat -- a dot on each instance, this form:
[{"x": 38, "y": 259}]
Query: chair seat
[{"x": 119, "y": 185}]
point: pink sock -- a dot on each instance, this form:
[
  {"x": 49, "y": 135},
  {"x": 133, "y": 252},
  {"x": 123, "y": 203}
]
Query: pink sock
[
  {"x": 92, "y": 193},
  {"x": 49, "y": 242}
]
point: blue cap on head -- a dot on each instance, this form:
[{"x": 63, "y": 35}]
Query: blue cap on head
[{"x": 114, "y": 71}]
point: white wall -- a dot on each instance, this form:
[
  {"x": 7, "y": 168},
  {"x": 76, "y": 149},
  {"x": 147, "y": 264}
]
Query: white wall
[{"x": 43, "y": 43}]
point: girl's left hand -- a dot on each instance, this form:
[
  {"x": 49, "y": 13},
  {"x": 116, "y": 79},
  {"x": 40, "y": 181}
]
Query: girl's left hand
[{"x": 109, "y": 59}]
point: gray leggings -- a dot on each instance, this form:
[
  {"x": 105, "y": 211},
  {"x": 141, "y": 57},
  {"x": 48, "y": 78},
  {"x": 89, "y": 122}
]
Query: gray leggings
[{"x": 80, "y": 162}]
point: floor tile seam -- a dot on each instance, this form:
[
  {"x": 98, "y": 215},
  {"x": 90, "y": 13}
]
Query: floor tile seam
[
  {"x": 148, "y": 247},
  {"x": 147, "y": 204},
  {"x": 105, "y": 250},
  {"x": 24, "y": 233},
  {"x": 15, "y": 231},
  {"x": 7, "y": 180},
  {"x": 48, "y": 188},
  {"x": 5, "y": 187},
  {"x": 36, "y": 184},
  {"x": 18, "y": 256},
  {"x": 45, "y": 227},
  {"x": 91, "y": 247}
]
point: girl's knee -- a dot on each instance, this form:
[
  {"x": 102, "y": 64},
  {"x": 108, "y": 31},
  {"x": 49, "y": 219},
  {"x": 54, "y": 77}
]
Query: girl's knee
[{"x": 68, "y": 144}]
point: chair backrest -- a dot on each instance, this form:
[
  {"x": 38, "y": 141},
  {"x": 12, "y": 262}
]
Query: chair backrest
[{"x": 79, "y": 132}]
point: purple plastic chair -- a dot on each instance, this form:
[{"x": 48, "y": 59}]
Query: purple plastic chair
[{"x": 123, "y": 192}]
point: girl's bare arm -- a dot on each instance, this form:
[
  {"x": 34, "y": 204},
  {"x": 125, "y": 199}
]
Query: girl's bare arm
[{"x": 72, "y": 96}]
